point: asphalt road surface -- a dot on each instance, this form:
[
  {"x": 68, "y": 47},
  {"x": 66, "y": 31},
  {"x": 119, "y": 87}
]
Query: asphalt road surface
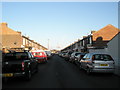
[{"x": 58, "y": 73}]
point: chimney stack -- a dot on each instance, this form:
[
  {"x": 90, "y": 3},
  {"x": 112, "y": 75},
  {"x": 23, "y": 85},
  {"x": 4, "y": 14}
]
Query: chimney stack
[
  {"x": 93, "y": 31},
  {"x": 19, "y": 32},
  {"x": 4, "y": 24}
]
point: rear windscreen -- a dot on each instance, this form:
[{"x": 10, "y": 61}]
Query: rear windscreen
[
  {"x": 102, "y": 57},
  {"x": 15, "y": 56},
  {"x": 39, "y": 54}
]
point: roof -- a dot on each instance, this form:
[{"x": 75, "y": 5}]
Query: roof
[
  {"x": 5, "y": 30},
  {"x": 98, "y": 53},
  {"x": 107, "y": 33}
]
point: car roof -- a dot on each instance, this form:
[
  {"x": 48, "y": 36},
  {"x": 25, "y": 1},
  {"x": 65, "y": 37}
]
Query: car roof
[
  {"x": 38, "y": 51},
  {"x": 97, "y": 53}
]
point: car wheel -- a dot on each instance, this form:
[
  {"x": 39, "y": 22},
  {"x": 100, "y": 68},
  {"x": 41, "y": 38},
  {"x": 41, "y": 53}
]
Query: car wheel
[
  {"x": 28, "y": 75},
  {"x": 88, "y": 71},
  {"x": 80, "y": 67}
]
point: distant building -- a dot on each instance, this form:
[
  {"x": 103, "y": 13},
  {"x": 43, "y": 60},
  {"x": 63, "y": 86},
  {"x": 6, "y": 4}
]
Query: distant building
[
  {"x": 54, "y": 51},
  {"x": 28, "y": 43}
]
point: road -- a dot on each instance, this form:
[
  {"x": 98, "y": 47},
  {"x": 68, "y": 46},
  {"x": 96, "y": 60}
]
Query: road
[{"x": 58, "y": 73}]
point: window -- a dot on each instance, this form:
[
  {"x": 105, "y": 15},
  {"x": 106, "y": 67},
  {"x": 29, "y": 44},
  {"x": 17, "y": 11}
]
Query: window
[
  {"x": 102, "y": 57},
  {"x": 77, "y": 54},
  {"x": 16, "y": 56},
  {"x": 84, "y": 58},
  {"x": 90, "y": 39}
]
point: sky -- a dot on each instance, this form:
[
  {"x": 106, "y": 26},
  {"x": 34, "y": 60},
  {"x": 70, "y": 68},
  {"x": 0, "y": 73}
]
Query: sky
[{"x": 58, "y": 24}]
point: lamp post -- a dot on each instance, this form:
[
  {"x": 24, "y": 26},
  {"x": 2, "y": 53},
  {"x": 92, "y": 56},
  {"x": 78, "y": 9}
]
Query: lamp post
[{"x": 48, "y": 44}]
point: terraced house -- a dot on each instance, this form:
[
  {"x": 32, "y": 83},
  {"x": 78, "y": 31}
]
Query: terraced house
[
  {"x": 96, "y": 41},
  {"x": 14, "y": 40}
]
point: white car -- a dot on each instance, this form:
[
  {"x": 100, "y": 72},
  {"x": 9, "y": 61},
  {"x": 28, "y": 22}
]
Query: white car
[
  {"x": 73, "y": 56},
  {"x": 97, "y": 62}
]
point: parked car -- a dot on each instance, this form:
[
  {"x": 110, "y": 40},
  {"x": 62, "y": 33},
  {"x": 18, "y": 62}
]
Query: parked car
[
  {"x": 62, "y": 54},
  {"x": 18, "y": 64},
  {"x": 67, "y": 56},
  {"x": 73, "y": 56},
  {"x": 49, "y": 54},
  {"x": 78, "y": 58},
  {"x": 40, "y": 55},
  {"x": 97, "y": 62}
]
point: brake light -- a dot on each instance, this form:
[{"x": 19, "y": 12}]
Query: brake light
[{"x": 23, "y": 65}]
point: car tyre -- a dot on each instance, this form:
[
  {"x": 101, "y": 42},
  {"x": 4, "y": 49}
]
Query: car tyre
[
  {"x": 88, "y": 71},
  {"x": 28, "y": 75},
  {"x": 80, "y": 67}
]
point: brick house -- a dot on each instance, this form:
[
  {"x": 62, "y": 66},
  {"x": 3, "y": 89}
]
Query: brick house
[
  {"x": 97, "y": 40},
  {"x": 14, "y": 40},
  {"x": 101, "y": 37},
  {"x": 28, "y": 43},
  {"x": 10, "y": 38}
]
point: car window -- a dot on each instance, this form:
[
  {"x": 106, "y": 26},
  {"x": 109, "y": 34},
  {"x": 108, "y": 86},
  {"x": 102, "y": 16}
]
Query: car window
[
  {"x": 9, "y": 56},
  {"x": 31, "y": 55},
  {"x": 81, "y": 56},
  {"x": 88, "y": 56},
  {"x": 15, "y": 56},
  {"x": 84, "y": 58},
  {"x": 102, "y": 57},
  {"x": 77, "y": 54},
  {"x": 107, "y": 57}
]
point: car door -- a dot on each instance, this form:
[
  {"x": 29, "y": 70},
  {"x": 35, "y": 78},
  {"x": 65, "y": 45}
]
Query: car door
[
  {"x": 71, "y": 57},
  {"x": 82, "y": 61},
  {"x": 88, "y": 61},
  {"x": 32, "y": 62}
]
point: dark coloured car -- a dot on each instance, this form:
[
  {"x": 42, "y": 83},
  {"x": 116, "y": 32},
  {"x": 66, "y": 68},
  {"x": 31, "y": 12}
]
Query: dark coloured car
[{"x": 19, "y": 64}]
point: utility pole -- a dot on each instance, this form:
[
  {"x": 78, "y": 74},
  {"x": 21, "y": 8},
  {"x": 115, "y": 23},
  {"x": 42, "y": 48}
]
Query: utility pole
[{"x": 48, "y": 44}]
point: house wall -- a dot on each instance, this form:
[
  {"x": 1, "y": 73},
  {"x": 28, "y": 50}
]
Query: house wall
[
  {"x": 114, "y": 51},
  {"x": 10, "y": 38},
  {"x": 98, "y": 50}
]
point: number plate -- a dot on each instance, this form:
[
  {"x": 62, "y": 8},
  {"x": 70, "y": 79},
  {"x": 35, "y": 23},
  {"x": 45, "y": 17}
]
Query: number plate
[
  {"x": 103, "y": 64},
  {"x": 8, "y": 75}
]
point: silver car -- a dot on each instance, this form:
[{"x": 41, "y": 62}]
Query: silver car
[{"x": 97, "y": 62}]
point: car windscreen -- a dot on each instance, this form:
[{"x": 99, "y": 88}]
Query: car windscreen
[
  {"x": 102, "y": 57},
  {"x": 15, "y": 56}
]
